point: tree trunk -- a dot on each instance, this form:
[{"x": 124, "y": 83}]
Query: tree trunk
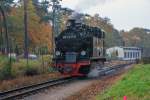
[
  {"x": 25, "y": 29},
  {"x": 6, "y": 29}
]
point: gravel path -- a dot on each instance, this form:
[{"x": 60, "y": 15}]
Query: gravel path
[
  {"x": 61, "y": 92},
  {"x": 77, "y": 90},
  {"x": 99, "y": 86}
]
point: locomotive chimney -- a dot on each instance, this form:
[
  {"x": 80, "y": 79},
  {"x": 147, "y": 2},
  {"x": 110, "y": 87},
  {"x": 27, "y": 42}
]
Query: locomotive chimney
[{"x": 71, "y": 22}]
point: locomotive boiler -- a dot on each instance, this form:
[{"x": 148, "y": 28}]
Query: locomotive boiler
[{"x": 79, "y": 49}]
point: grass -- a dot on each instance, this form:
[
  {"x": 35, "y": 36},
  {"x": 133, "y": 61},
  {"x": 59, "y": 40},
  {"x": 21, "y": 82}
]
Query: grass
[
  {"x": 135, "y": 85},
  {"x": 19, "y": 74},
  {"x": 3, "y": 59},
  {"x": 20, "y": 68},
  {"x": 26, "y": 81}
]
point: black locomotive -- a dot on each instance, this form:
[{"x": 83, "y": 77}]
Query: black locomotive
[{"x": 79, "y": 48}]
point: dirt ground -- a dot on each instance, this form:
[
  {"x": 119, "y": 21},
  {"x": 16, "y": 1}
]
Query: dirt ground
[
  {"x": 97, "y": 87},
  {"x": 78, "y": 90},
  {"x": 62, "y": 91},
  {"x": 91, "y": 91},
  {"x": 26, "y": 80},
  {"x": 29, "y": 80}
]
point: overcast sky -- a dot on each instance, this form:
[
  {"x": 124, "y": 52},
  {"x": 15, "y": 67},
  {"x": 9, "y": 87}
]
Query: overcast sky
[{"x": 124, "y": 14}]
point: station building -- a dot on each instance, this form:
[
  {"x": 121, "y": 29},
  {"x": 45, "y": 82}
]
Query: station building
[{"x": 124, "y": 53}]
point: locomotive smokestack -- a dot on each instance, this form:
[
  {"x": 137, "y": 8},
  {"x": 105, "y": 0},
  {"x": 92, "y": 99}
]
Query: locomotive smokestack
[
  {"x": 76, "y": 16},
  {"x": 75, "y": 20}
]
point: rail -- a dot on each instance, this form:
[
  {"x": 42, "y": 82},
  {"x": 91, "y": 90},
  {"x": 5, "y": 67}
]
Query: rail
[{"x": 10, "y": 94}]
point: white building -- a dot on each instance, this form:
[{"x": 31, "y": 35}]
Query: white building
[{"x": 124, "y": 53}]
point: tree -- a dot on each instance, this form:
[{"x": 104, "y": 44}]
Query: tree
[
  {"x": 25, "y": 29},
  {"x": 5, "y": 27},
  {"x": 5, "y": 8},
  {"x": 138, "y": 37},
  {"x": 7, "y": 5},
  {"x": 39, "y": 33},
  {"x": 113, "y": 37},
  {"x": 42, "y": 10}
]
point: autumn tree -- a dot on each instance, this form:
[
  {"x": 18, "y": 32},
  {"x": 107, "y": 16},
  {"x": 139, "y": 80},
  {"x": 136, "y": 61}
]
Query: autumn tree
[
  {"x": 139, "y": 37},
  {"x": 113, "y": 37},
  {"x": 39, "y": 32}
]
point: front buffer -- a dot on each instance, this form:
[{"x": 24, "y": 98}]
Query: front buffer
[{"x": 81, "y": 68}]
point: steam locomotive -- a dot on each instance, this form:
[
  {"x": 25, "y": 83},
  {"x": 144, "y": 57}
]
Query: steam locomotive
[{"x": 79, "y": 49}]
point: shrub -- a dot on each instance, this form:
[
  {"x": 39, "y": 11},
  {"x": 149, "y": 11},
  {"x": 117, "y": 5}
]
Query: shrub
[
  {"x": 50, "y": 69},
  {"x": 5, "y": 71},
  {"x": 30, "y": 71},
  {"x": 20, "y": 68},
  {"x": 146, "y": 60}
]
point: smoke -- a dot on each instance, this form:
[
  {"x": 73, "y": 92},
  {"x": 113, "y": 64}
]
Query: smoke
[
  {"x": 93, "y": 73},
  {"x": 87, "y": 4},
  {"x": 75, "y": 15}
]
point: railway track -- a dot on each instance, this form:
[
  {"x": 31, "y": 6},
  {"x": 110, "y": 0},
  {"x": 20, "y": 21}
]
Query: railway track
[
  {"x": 11, "y": 94},
  {"x": 113, "y": 69},
  {"x": 109, "y": 70}
]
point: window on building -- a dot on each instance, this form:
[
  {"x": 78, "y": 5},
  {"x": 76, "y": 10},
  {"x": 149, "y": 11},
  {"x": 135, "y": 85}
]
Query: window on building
[
  {"x": 128, "y": 55},
  {"x": 133, "y": 54},
  {"x": 125, "y": 54},
  {"x": 138, "y": 55}
]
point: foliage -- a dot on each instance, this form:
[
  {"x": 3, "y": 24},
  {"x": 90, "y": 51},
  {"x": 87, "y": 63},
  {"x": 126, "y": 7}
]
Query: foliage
[
  {"x": 135, "y": 85},
  {"x": 30, "y": 71},
  {"x": 5, "y": 69},
  {"x": 145, "y": 60},
  {"x": 139, "y": 37},
  {"x": 40, "y": 29},
  {"x": 113, "y": 37},
  {"x": 39, "y": 33},
  {"x": 6, "y": 4},
  {"x": 5, "y": 72},
  {"x": 21, "y": 68},
  {"x": 42, "y": 10}
]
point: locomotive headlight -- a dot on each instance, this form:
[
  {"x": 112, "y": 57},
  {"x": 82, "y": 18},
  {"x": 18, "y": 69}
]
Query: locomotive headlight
[
  {"x": 57, "y": 53},
  {"x": 83, "y": 53}
]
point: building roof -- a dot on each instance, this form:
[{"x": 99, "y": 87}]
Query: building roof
[{"x": 129, "y": 48}]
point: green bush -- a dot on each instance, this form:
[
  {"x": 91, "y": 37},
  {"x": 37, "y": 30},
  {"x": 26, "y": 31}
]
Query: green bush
[
  {"x": 50, "y": 69},
  {"x": 146, "y": 60},
  {"x": 46, "y": 59},
  {"x": 30, "y": 71},
  {"x": 21, "y": 68},
  {"x": 3, "y": 59},
  {"x": 5, "y": 68},
  {"x": 5, "y": 72}
]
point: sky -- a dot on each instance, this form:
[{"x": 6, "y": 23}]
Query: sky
[{"x": 124, "y": 14}]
